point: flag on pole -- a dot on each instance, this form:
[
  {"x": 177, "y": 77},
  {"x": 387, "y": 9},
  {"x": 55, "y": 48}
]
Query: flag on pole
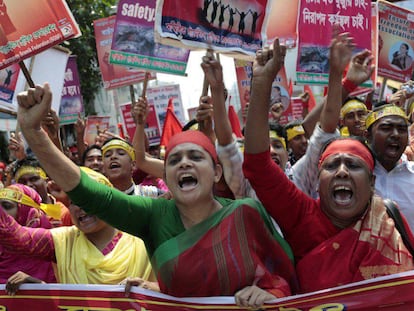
[
  {"x": 312, "y": 101},
  {"x": 234, "y": 121},
  {"x": 172, "y": 125}
]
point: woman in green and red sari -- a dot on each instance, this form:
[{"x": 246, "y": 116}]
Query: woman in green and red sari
[{"x": 200, "y": 245}]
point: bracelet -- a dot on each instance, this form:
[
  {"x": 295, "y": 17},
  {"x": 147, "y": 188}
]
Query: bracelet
[{"x": 348, "y": 85}]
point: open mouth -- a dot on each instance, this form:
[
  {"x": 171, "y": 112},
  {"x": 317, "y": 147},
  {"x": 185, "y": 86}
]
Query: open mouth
[
  {"x": 343, "y": 195},
  {"x": 187, "y": 181},
  {"x": 114, "y": 165}
]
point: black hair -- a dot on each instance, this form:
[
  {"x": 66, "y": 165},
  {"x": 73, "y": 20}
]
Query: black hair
[
  {"x": 89, "y": 148},
  {"x": 28, "y": 161},
  {"x": 279, "y": 129}
]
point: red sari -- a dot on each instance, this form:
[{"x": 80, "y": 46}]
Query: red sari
[{"x": 234, "y": 248}]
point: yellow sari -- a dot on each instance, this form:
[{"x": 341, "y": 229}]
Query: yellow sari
[{"x": 80, "y": 262}]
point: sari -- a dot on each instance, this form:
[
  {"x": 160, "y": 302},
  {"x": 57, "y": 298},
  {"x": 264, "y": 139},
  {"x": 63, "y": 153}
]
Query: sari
[
  {"x": 236, "y": 247},
  {"x": 371, "y": 248},
  {"x": 13, "y": 262},
  {"x": 80, "y": 262}
]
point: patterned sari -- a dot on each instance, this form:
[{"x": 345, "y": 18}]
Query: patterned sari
[
  {"x": 234, "y": 248},
  {"x": 371, "y": 248}
]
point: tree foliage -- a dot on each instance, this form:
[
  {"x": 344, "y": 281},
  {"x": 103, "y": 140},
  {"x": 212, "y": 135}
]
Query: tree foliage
[{"x": 85, "y": 12}]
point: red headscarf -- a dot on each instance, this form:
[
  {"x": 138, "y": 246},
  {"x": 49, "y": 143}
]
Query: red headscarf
[
  {"x": 194, "y": 137},
  {"x": 350, "y": 146}
]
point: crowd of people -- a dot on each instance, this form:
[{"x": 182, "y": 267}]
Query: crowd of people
[{"x": 290, "y": 209}]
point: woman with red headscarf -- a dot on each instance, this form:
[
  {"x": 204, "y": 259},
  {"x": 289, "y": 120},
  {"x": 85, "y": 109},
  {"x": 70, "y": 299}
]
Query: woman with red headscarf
[
  {"x": 23, "y": 204},
  {"x": 199, "y": 245}
]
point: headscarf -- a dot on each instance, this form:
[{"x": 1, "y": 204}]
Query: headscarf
[
  {"x": 193, "y": 137},
  {"x": 351, "y": 146},
  {"x": 28, "y": 205}
]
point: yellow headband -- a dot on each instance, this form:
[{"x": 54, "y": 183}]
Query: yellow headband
[
  {"x": 351, "y": 106},
  {"x": 18, "y": 197},
  {"x": 273, "y": 135},
  {"x": 119, "y": 144},
  {"x": 29, "y": 170},
  {"x": 295, "y": 131},
  {"x": 384, "y": 112}
]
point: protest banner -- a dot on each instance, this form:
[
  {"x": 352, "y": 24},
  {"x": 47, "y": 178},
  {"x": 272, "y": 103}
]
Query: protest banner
[
  {"x": 133, "y": 42},
  {"x": 159, "y": 97},
  {"x": 315, "y": 23},
  {"x": 113, "y": 76},
  {"x": 395, "y": 42},
  {"x": 94, "y": 124},
  {"x": 236, "y": 27},
  {"x": 71, "y": 100},
  {"x": 391, "y": 293},
  {"x": 152, "y": 128},
  {"x": 28, "y": 27}
]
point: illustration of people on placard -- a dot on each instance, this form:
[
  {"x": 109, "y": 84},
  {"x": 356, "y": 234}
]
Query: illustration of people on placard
[
  {"x": 224, "y": 15},
  {"x": 9, "y": 74},
  {"x": 255, "y": 17},
  {"x": 205, "y": 9},
  {"x": 221, "y": 16}
]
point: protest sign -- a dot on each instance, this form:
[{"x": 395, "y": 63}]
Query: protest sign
[
  {"x": 133, "y": 42},
  {"x": 28, "y": 27},
  {"x": 113, "y": 76},
  {"x": 71, "y": 101},
  {"x": 236, "y": 27},
  {"x": 315, "y": 24},
  {"x": 152, "y": 128},
  {"x": 395, "y": 42},
  {"x": 93, "y": 125}
]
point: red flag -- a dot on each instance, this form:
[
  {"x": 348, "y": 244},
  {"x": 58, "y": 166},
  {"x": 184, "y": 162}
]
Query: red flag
[
  {"x": 171, "y": 126},
  {"x": 312, "y": 101},
  {"x": 290, "y": 90},
  {"x": 325, "y": 91},
  {"x": 234, "y": 121}
]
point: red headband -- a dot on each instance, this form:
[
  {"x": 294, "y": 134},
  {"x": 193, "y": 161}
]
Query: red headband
[
  {"x": 194, "y": 137},
  {"x": 350, "y": 146}
]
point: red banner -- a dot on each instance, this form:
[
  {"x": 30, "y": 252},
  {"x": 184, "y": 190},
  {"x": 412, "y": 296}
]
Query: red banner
[
  {"x": 93, "y": 124},
  {"x": 391, "y": 293},
  {"x": 28, "y": 27},
  {"x": 152, "y": 128}
]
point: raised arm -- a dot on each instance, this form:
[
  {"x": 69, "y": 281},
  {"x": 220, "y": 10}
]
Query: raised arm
[
  {"x": 214, "y": 74},
  {"x": 152, "y": 166},
  {"x": 339, "y": 57},
  {"x": 34, "y": 104},
  {"x": 267, "y": 64}
]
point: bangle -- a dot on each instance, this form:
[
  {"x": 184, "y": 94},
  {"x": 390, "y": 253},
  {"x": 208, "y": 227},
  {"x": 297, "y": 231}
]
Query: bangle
[{"x": 348, "y": 85}]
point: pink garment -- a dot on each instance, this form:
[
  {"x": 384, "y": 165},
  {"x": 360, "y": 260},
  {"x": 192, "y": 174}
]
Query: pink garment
[
  {"x": 158, "y": 182},
  {"x": 13, "y": 262}
]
